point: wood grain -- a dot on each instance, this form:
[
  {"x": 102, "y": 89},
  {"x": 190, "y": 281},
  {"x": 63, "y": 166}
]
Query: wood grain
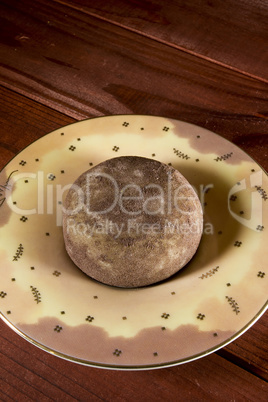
[
  {"x": 250, "y": 350},
  {"x": 214, "y": 30},
  {"x": 25, "y": 121},
  {"x": 82, "y": 66},
  {"x": 201, "y": 62},
  {"x": 39, "y": 376}
]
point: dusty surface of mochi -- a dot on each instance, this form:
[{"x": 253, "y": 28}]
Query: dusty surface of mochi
[{"x": 131, "y": 222}]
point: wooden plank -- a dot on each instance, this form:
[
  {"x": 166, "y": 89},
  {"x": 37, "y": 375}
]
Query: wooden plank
[
  {"x": 250, "y": 350},
  {"x": 26, "y": 370},
  {"x": 27, "y": 376},
  {"x": 229, "y": 33},
  {"x": 82, "y": 66},
  {"x": 24, "y": 121}
]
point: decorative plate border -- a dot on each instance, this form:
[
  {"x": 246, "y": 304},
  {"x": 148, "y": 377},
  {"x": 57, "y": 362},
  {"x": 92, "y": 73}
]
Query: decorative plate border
[{"x": 192, "y": 150}]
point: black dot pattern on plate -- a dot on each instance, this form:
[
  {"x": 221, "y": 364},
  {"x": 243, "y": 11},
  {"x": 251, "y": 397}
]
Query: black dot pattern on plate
[
  {"x": 36, "y": 294},
  {"x": 224, "y": 157},
  {"x": 18, "y": 253},
  {"x": 180, "y": 154},
  {"x": 89, "y": 318},
  {"x": 233, "y": 198},
  {"x": 165, "y": 316},
  {"x": 210, "y": 273},
  {"x": 233, "y": 304},
  {"x": 238, "y": 243},
  {"x": 262, "y": 192},
  {"x": 51, "y": 177}
]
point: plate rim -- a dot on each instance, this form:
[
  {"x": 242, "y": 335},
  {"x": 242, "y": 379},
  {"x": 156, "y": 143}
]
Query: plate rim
[{"x": 130, "y": 367}]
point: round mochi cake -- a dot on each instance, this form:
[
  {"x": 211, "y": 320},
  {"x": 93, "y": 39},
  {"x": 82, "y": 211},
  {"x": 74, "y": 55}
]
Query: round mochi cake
[{"x": 131, "y": 221}]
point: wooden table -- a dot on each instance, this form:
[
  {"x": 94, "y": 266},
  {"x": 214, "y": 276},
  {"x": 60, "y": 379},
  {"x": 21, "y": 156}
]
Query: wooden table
[{"x": 204, "y": 62}]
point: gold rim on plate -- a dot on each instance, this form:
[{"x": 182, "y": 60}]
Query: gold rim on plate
[{"x": 221, "y": 292}]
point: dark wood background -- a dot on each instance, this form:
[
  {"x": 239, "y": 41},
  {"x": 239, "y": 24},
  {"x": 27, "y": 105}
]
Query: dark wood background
[{"x": 201, "y": 61}]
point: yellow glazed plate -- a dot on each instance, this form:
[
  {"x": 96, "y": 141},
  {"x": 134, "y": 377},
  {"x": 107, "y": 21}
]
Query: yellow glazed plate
[{"x": 222, "y": 291}]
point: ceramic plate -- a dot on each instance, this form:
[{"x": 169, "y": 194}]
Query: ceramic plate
[{"x": 222, "y": 291}]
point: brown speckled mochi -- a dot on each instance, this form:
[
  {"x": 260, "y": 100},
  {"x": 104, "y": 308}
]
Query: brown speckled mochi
[{"x": 131, "y": 222}]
